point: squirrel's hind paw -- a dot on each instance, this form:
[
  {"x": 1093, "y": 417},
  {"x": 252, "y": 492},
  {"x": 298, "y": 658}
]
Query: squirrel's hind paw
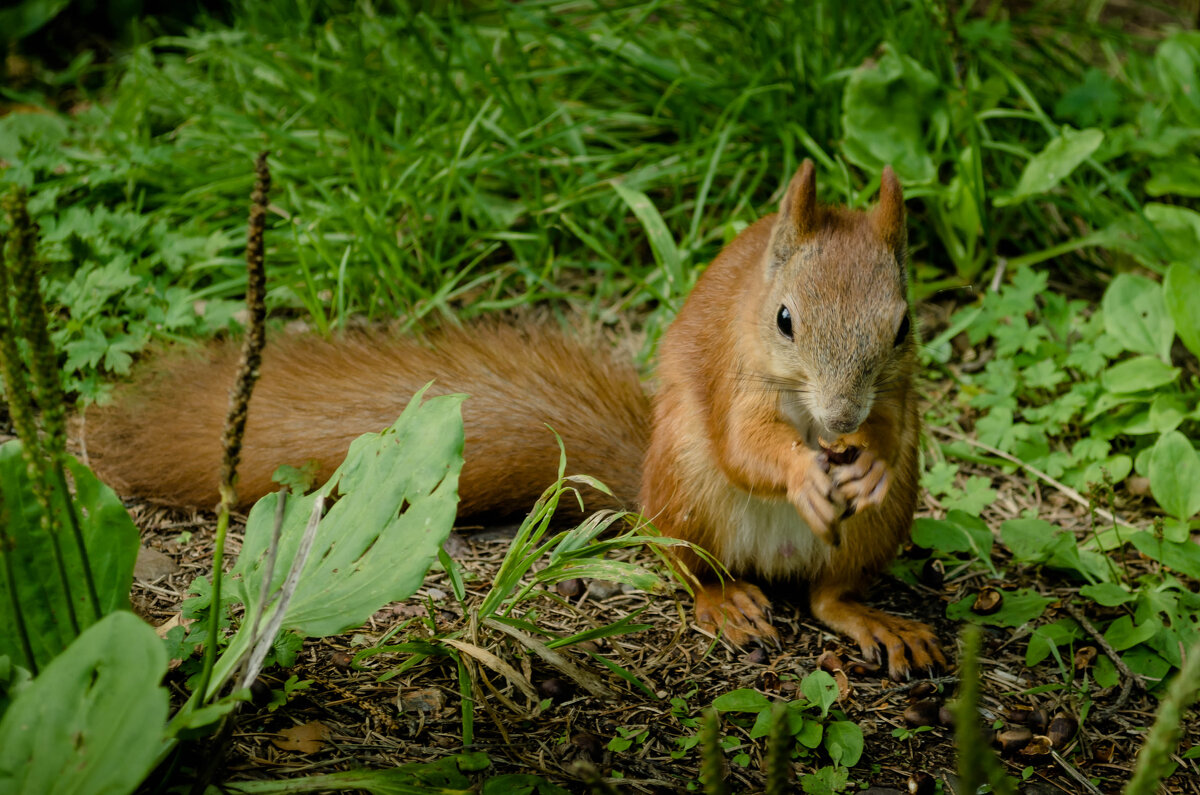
[
  {"x": 737, "y": 610},
  {"x": 911, "y": 647}
]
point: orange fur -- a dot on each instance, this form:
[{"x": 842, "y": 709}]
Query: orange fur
[
  {"x": 160, "y": 437},
  {"x": 733, "y": 462}
]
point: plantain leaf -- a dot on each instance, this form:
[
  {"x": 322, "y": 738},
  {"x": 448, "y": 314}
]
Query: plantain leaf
[
  {"x": 398, "y": 494},
  {"x": 1136, "y": 315},
  {"x": 1175, "y": 475},
  {"x": 93, "y": 720},
  {"x": 112, "y": 544},
  {"x": 1181, "y": 287}
]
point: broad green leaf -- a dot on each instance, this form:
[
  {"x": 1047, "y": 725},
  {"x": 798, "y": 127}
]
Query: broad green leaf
[
  {"x": 1105, "y": 673},
  {"x": 1029, "y": 539},
  {"x": 1122, "y": 634},
  {"x": 821, "y": 689},
  {"x": 741, "y": 700},
  {"x": 1049, "y": 637},
  {"x": 1108, "y": 594},
  {"x": 93, "y": 720},
  {"x": 1116, "y": 468},
  {"x": 398, "y": 497},
  {"x": 1136, "y": 315},
  {"x": 1144, "y": 662},
  {"x": 958, "y": 532},
  {"x": 1179, "y": 228},
  {"x": 844, "y": 742},
  {"x": 1052, "y": 165},
  {"x": 1178, "y": 176},
  {"x": 1139, "y": 374},
  {"x": 1167, "y": 412},
  {"x": 892, "y": 113},
  {"x": 1019, "y": 607},
  {"x": 109, "y": 536},
  {"x": 1183, "y": 558},
  {"x": 810, "y": 732},
  {"x": 1038, "y": 541},
  {"x": 1175, "y": 475},
  {"x": 762, "y": 724},
  {"x": 976, "y": 495},
  {"x": 1177, "y": 62},
  {"x": 1181, "y": 293}
]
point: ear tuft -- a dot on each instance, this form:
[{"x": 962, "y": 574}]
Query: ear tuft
[
  {"x": 888, "y": 215},
  {"x": 799, "y": 206},
  {"x": 797, "y": 213}
]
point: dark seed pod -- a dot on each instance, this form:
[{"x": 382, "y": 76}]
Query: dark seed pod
[
  {"x": 1038, "y": 745},
  {"x": 555, "y": 689},
  {"x": 769, "y": 680},
  {"x": 260, "y": 693},
  {"x": 1084, "y": 657},
  {"x": 1017, "y": 714},
  {"x": 1038, "y": 720},
  {"x": 1062, "y": 730},
  {"x": 570, "y": 588},
  {"x": 756, "y": 656},
  {"x": 946, "y": 717},
  {"x": 922, "y": 713},
  {"x": 933, "y": 573},
  {"x": 922, "y": 690},
  {"x": 987, "y": 601},
  {"x": 590, "y": 746},
  {"x": 830, "y": 662},
  {"x": 921, "y": 783},
  {"x": 1013, "y": 739}
]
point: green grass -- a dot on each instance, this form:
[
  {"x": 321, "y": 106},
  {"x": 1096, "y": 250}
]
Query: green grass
[
  {"x": 438, "y": 162},
  {"x": 451, "y": 161}
]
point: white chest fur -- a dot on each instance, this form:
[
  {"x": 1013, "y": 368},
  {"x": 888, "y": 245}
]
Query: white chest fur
[{"x": 769, "y": 538}]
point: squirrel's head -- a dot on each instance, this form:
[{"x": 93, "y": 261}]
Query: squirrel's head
[{"x": 836, "y": 320}]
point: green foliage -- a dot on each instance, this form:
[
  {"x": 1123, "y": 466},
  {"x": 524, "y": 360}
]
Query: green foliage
[
  {"x": 397, "y": 496},
  {"x": 453, "y": 160},
  {"x": 92, "y": 720},
  {"x": 1080, "y": 396},
  {"x": 111, "y": 539},
  {"x": 810, "y": 725}
]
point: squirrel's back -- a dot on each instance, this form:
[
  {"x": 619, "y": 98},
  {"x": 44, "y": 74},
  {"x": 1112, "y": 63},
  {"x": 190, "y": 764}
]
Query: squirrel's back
[{"x": 161, "y": 436}]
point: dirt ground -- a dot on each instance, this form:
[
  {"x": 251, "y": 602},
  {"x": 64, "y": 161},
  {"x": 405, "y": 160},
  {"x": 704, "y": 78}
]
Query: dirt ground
[{"x": 372, "y": 716}]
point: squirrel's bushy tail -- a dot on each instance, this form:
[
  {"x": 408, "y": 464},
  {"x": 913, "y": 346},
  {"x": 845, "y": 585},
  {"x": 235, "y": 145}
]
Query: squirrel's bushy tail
[{"x": 161, "y": 436}]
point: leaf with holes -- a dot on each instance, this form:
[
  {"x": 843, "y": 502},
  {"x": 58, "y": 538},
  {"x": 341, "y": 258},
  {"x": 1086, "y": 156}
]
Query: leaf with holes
[{"x": 1136, "y": 315}]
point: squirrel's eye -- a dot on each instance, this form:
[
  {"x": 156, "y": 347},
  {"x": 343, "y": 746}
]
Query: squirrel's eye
[
  {"x": 902, "y": 333},
  {"x": 784, "y": 321}
]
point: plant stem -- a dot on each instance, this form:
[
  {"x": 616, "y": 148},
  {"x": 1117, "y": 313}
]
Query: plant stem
[{"x": 7, "y": 549}]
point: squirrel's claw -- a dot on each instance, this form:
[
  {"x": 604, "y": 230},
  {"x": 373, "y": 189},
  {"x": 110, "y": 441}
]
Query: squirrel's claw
[{"x": 737, "y": 610}]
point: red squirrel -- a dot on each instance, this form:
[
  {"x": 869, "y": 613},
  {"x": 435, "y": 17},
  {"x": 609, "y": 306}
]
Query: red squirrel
[{"x": 782, "y": 437}]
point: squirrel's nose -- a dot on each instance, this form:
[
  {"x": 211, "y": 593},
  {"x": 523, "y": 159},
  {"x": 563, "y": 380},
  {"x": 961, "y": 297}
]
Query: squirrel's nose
[{"x": 843, "y": 425}]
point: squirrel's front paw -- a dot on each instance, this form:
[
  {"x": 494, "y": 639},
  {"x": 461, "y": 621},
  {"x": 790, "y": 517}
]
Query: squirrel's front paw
[
  {"x": 812, "y": 493},
  {"x": 863, "y": 483}
]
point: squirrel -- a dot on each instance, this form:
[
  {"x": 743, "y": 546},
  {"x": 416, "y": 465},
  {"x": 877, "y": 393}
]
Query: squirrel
[{"x": 782, "y": 437}]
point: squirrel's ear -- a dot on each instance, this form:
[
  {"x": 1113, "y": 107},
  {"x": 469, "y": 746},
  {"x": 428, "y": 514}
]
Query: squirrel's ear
[
  {"x": 888, "y": 215},
  {"x": 797, "y": 213}
]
